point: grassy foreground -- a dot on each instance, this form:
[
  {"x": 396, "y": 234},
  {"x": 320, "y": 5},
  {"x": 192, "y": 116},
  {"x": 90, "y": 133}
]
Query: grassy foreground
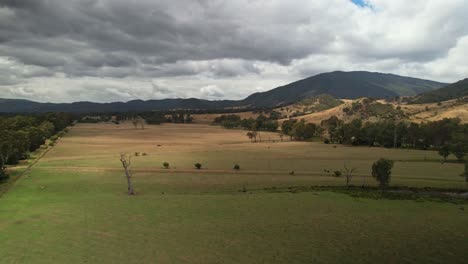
[{"x": 72, "y": 207}]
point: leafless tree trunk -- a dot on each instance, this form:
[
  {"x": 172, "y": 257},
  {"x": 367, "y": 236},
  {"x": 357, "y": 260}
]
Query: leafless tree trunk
[
  {"x": 126, "y": 160},
  {"x": 349, "y": 174}
]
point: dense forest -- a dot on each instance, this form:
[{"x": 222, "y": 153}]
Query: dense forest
[{"x": 22, "y": 134}]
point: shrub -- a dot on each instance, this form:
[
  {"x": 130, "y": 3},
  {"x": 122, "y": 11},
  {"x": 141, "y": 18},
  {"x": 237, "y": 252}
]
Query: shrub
[
  {"x": 54, "y": 137},
  {"x": 337, "y": 173},
  {"x": 198, "y": 166},
  {"x": 166, "y": 165},
  {"x": 382, "y": 171},
  {"x": 137, "y": 154},
  {"x": 326, "y": 141},
  {"x": 236, "y": 167},
  {"x": 52, "y": 143},
  {"x": 144, "y": 154},
  {"x": 465, "y": 172}
]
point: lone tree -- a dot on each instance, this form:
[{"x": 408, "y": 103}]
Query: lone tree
[
  {"x": 138, "y": 122},
  {"x": 198, "y": 166},
  {"x": 166, "y": 165},
  {"x": 349, "y": 174},
  {"x": 3, "y": 174},
  {"x": 252, "y": 136},
  {"x": 465, "y": 172},
  {"x": 126, "y": 160},
  {"x": 444, "y": 151},
  {"x": 382, "y": 171}
]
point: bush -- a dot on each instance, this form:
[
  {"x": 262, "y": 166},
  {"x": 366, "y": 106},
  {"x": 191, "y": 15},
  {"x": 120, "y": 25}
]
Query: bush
[
  {"x": 54, "y": 137},
  {"x": 3, "y": 175},
  {"x": 236, "y": 167},
  {"x": 198, "y": 166},
  {"x": 144, "y": 154},
  {"x": 52, "y": 143},
  {"x": 166, "y": 165},
  {"x": 382, "y": 171},
  {"x": 137, "y": 154},
  {"x": 337, "y": 173},
  {"x": 465, "y": 172},
  {"x": 326, "y": 141}
]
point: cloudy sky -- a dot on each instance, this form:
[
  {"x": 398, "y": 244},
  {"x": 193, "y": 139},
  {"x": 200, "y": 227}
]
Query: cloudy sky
[{"x": 118, "y": 50}]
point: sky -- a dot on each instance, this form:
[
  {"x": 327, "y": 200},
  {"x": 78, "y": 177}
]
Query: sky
[{"x": 120, "y": 50}]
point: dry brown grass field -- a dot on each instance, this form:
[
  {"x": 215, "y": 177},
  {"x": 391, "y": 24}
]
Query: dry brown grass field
[
  {"x": 72, "y": 207},
  {"x": 97, "y": 146}
]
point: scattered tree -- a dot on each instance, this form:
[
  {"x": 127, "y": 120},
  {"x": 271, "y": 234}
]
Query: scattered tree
[
  {"x": 126, "y": 160},
  {"x": 198, "y": 166},
  {"x": 349, "y": 174},
  {"x": 382, "y": 171},
  {"x": 465, "y": 172},
  {"x": 166, "y": 165},
  {"x": 444, "y": 151}
]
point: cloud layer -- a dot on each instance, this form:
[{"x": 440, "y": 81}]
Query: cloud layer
[{"x": 116, "y": 50}]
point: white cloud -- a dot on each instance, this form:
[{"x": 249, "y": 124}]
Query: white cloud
[{"x": 110, "y": 50}]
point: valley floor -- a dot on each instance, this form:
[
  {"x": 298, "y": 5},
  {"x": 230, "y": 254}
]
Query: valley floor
[{"x": 72, "y": 206}]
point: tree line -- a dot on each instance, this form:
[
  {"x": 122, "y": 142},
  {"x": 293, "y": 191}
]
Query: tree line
[
  {"x": 449, "y": 136},
  {"x": 22, "y": 134},
  {"x": 261, "y": 123}
]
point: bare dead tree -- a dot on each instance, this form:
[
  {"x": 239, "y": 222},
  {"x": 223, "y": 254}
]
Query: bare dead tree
[
  {"x": 126, "y": 160},
  {"x": 349, "y": 174}
]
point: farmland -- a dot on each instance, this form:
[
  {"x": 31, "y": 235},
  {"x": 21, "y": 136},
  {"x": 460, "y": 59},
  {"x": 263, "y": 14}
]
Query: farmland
[{"x": 72, "y": 206}]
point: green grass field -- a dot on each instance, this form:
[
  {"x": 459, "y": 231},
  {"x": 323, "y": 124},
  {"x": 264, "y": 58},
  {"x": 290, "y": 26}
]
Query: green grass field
[{"x": 72, "y": 206}]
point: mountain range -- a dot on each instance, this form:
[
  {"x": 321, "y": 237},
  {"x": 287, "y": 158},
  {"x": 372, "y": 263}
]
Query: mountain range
[{"x": 345, "y": 85}]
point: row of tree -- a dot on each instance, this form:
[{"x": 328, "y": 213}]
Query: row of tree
[
  {"x": 447, "y": 135},
  {"x": 261, "y": 123},
  {"x": 22, "y": 134}
]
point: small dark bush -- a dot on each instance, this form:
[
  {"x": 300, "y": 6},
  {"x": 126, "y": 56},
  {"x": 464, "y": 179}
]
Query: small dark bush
[
  {"x": 236, "y": 167},
  {"x": 137, "y": 154},
  {"x": 166, "y": 165},
  {"x": 337, "y": 173},
  {"x": 198, "y": 166},
  {"x": 326, "y": 141}
]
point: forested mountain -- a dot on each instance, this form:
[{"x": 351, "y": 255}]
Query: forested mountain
[
  {"x": 348, "y": 85},
  {"x": 451, "y": 91}
]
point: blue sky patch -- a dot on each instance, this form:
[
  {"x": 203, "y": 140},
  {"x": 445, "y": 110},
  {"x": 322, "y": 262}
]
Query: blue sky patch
[{"x": 360, "y": 3}]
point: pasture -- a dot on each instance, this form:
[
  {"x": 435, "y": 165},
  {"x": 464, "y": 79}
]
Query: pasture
[{"x": 72, "y": 206}]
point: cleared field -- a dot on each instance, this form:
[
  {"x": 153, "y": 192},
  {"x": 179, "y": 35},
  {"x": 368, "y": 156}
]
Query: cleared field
[{"x": 73, "y": 208}]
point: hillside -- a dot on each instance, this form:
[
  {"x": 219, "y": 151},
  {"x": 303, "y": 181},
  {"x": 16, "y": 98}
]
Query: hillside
[
  {"x": 417, "y": 113},
  {"x": 345, "y": 85},
  {"x": 451, "y": 91}
]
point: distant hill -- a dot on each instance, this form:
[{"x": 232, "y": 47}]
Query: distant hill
[
  {"x": 346, "y": 85},
  {"x": 451, "y": 91}
]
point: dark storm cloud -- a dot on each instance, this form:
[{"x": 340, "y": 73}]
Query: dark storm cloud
[
  {"x": 202, "y": 47},
  {"x": 146, "y": 29}
]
